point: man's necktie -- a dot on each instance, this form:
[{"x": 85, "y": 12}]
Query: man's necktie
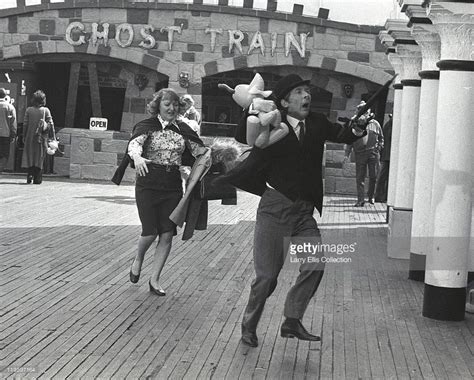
[{"x": 302, "y": 132}]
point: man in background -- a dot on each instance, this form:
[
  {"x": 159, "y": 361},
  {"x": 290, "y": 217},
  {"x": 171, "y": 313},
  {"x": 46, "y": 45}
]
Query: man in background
[
  {"x": 367, "y": 155},
  {"x": 7, "y": 127}
]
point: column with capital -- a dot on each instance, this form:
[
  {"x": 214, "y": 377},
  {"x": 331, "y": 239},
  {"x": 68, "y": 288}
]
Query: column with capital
[
  {"x": 421, "y": 232},
  {"x": 388, "y": 41},
  {"x": 398, "y": 243},
  {"x": 396, "y": 63},
  {"x": 447, "y": 264}
]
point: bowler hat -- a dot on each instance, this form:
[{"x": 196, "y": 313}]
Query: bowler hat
[{"x": 286, "y": 84}]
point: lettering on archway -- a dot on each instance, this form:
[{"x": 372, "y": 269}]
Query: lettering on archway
[{"x": 125, "y": 35}]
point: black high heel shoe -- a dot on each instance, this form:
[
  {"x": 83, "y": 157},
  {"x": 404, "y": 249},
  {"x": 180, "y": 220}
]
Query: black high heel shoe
[
  {"x": 134, "y": 277},
  {"x": 158, "y": 292}
]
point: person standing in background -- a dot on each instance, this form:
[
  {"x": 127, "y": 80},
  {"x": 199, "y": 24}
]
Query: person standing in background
[
  {"x": 188, "y": 111},
  {"x": 36, "y": 125},
  {"x": 367, "y": 154},
  {"x": 190, "y": 115},
  {"x": 7, "y": 127}
]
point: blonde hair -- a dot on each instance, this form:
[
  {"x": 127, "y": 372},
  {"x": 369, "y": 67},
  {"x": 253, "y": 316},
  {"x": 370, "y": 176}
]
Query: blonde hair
[{"x": 154, "y": 106}]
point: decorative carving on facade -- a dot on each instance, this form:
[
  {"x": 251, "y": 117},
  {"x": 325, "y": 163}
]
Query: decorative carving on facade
[
  {"x": 125, "y": 29},
  {"x": 410, "y": 56},
  {"x": 214, "y": 32},
  {"x": 257, "y": 43},
  {"x": 430, "y": 45},
  {"x": 274, "y": 43},
  {"x": 456, "y": 32},
  {"x": 171, "y": 30},
  {"x": 96, "y": 35},
  {"x": 291, "y": 40},
  {"x": 149, "y": 41},
  {"x": 397, "y": 65},
  {"x": 183, "y": 79},
  {"x": 70, "y": 30},
  {"x": 141, "y": 81},
  {"x": 235, "y": 39},
  {"x": 76, "y": 35}
]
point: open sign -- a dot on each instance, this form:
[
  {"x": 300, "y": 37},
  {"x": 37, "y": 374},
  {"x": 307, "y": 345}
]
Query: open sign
[{"x": 98, "y": 124}]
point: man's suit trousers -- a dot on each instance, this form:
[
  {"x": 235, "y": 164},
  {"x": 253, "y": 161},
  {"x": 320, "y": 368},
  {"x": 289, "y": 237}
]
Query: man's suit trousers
[
  {"x": 364, "y": 160},
  {"x": 278, "y": 219}
]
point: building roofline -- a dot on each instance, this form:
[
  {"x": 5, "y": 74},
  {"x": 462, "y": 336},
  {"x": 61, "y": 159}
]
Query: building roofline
[{"x": 241, "y": 11}]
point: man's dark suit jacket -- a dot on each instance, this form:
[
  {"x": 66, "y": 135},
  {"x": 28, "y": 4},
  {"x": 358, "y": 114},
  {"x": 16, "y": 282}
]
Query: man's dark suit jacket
[
  {"x": 293, "y": 169},
  {"x": 387, "y": 146}
]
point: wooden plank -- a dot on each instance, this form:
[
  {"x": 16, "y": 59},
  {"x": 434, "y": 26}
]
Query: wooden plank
[
  {"x": 72, "y": 94},
  {"x": 94, "y": 88},
  {"x": 71, "y": 311}
]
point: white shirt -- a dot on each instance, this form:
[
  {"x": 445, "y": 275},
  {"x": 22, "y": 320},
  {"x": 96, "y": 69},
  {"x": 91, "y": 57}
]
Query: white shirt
[{"x": 295, "y": 124}]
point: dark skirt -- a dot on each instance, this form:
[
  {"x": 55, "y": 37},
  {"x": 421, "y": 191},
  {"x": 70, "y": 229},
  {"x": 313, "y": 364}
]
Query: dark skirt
[{"x": 157, "y": 194}]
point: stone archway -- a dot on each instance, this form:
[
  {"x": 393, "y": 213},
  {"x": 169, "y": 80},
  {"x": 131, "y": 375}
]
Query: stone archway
[
  {"x": 111, "y": 71},
  {"x": 342, "y": 66}
]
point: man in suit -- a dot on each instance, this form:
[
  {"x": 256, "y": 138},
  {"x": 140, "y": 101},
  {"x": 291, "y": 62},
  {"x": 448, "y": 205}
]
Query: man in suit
[{"x": 288, "y": 176}]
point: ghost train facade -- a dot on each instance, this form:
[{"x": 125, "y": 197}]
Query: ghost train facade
[{"x": 106, "y": 61}]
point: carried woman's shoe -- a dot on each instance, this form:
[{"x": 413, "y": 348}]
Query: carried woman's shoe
[
  {"x": 158, "y": 292},
  {"x": 134, "y": 277}
]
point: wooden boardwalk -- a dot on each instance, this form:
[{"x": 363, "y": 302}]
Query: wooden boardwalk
[{"x": 69, "y": 311}]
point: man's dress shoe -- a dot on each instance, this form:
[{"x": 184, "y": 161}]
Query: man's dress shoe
[
  {"x": 359, "y": 204},
  {"x": 249, "y": 338},
  {"x": 293, "y": 328}
]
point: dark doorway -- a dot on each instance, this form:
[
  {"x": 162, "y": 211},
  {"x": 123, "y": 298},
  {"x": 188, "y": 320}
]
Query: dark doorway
[
  {"x": 111, "y": 99},
  {"x": 220, "y": 113},
  {"x": 53, "y": 79}
]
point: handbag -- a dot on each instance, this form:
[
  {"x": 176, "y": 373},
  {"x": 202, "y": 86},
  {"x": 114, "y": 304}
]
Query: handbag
[
  {"x": 212, "y": 187},
  {"x": 52, "y": 143}
]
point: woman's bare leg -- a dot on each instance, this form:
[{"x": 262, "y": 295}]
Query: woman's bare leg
[
  {"x": 144, "y": 242},
  {"x": 162, "y": 251}
]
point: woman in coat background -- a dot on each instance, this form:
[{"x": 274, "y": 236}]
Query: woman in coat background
[{"x": 35, "y": 137}]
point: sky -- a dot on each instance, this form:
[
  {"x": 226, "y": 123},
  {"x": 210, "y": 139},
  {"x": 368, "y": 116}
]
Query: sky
[{"x": 364, "y": 12}]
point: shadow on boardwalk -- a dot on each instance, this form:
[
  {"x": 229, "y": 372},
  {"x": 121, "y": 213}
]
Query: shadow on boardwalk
[{"x": 68, "y": 309}]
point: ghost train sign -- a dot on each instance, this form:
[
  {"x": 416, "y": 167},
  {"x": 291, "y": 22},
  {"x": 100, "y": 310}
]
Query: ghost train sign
[{"x": 125, "y": 35}]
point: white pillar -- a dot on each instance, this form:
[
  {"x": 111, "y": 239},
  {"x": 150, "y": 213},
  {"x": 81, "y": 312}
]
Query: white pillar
[
  {"x": 398, "y": 244},
  {"x": 396, "y": 123},
  {"x": 388, "y": 41},
  {"x": 447, "y": 263},
  {"x": 422, "y": 225}
]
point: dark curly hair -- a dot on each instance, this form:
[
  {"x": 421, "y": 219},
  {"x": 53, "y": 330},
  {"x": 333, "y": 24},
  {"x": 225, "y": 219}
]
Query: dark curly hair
[
  {"x": 38, "y": 99},
  {"x": 154, "y": 106}
]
